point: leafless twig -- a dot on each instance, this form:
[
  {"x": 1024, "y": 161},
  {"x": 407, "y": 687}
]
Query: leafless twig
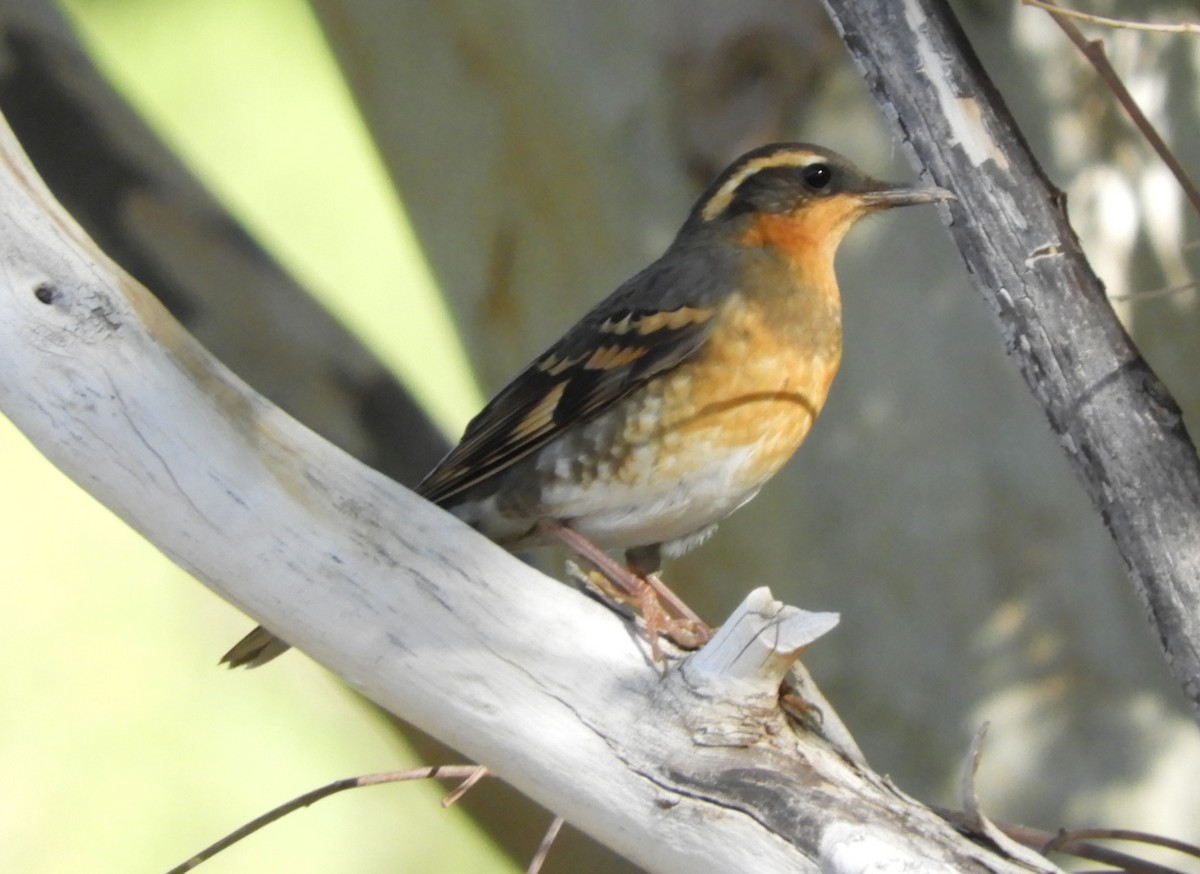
[
  {"x": 1093, "y": 50},
  {"x": 1015, "y": 840},
  {"x": 464, "y": 772},
  {"x": 461, "y": 789},
  {"x": 1076, "y": 843},
  {"x": 1180, "y": 27},
  {"x": 535, "y": 865},
  {"x": 1119, "y": 834},
  {"x": 1155, "y": 292}
]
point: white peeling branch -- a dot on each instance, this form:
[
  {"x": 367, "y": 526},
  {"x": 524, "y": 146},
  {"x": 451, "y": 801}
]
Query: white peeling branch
[{"x": 697, "y": 769}]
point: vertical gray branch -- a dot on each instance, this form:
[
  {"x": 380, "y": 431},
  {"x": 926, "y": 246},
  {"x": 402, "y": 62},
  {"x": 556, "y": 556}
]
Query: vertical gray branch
[{"x": 1120, "y": 428}]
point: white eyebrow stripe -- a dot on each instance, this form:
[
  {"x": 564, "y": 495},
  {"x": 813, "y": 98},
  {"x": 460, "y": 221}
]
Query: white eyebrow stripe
[{"x": 724, "y": 196}]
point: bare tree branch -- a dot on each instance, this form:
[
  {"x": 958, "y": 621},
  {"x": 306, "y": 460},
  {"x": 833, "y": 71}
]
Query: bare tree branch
[
  {"x": 469, "y": 773},
  {"x": 1093, "y": 50},
  {"x": 543, "y": 850},
  {"x": 150, "y": 214},
  {"x": 1120, "y": 23},
  {"x": 1120, "y": 428},
  {"x": 694, "y": 769}
]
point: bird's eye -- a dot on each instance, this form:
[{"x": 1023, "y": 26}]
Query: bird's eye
[{"x": 817, "y": 176}]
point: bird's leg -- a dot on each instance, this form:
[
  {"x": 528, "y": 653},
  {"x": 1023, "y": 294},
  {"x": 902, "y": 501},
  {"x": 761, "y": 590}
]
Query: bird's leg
[
  {"x": 645, "y": 590},
  {"x": 688, "y": 630},
  {"x": 645, "y": 562}
]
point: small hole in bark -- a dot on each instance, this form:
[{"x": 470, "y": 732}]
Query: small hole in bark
[{"x": 46, "y": 293}]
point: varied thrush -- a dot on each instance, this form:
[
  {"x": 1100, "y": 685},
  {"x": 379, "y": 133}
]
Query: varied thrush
[{"x": 671, "y": 402}]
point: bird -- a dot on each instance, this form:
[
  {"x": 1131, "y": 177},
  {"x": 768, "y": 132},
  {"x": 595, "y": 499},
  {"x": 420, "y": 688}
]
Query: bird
[{"x": 671, "y": 402}]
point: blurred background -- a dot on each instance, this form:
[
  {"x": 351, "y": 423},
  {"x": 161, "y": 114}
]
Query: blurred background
[{"x": 485, "y": 170}]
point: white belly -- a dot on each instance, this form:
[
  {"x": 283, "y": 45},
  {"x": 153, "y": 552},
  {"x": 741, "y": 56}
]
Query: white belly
[{"x": 618, "y": 514}]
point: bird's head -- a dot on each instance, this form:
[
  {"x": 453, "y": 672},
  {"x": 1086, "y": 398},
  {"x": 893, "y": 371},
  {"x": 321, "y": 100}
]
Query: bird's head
[{"x": 799, "y": 197}]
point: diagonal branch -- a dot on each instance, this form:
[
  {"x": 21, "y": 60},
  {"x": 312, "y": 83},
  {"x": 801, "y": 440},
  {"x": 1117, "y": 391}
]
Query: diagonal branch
[
  {"x": 142, "y": 205},
  {"x": 1121, "y": 429},
  {"x": 697, "y": 768},
  {"x": 468, "y": 773},
  {"x": 1190, "y": 27},
  {"x": 1093, "y": 50}
]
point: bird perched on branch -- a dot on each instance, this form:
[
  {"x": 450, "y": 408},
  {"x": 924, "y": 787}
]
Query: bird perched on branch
[{"x": 671, "y": 402}]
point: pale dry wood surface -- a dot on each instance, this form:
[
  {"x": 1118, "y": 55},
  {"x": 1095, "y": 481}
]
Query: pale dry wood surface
[{"x": 696, "y": 769}]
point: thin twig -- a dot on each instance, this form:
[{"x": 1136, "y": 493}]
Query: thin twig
[
  {"x": 1072, "y": 843},
  {"x": 983, "y": 827},
  {"x": 535, "y": 864},
  {"x": 1155, "y": 292},
  {"x": 461, "y": 789},
  {"x": 1120, "y": 834},
  {"x": 1037, "y": 839},
  {"x": 452, "y": 772},
  {"x": 1181, "y": 27},
  {"x": 1093, "y": 50}
]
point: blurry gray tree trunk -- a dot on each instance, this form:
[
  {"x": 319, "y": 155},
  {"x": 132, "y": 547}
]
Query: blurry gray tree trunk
[{"x": 151, "y": 215}]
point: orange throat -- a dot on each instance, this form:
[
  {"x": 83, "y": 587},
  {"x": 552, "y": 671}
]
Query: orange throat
[{"x": 808, "y": 237}]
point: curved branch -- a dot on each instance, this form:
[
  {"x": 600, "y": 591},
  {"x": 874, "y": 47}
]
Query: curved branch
[
  {"x": 148, "y": 212},
  {"x": 695, "y": 769}
]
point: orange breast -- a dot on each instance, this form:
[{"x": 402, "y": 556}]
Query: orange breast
[{"x": 752, "y": 394}]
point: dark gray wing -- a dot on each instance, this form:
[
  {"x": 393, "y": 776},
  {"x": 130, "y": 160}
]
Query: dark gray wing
[{"x": 650, "y": 324}]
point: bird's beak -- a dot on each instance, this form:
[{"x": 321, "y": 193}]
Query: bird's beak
[{"x": 886, "y": 195}]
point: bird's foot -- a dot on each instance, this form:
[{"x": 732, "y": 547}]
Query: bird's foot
[
  {"x": 686, "y": 632},
  {"x": 663, "y": 612}
]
